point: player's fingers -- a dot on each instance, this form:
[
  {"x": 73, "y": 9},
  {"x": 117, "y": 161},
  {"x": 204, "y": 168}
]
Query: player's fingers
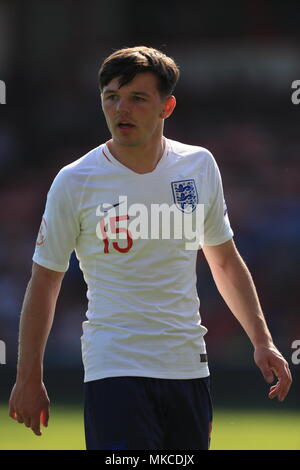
[
  {"x": 12, "y": 413},
  {"x": 284, "y": 390},
  {"x": 44, "y": 418},
  {"x": 274, "y": 387},
  {"x": 35, "y": 425},
  {"x": 27, "y": 422},
  {"x": 20, "y": 419},
  {"x": 284, "y": 381},
  {"x": 273, "y": 392},
  {"x": 15, "y": 414},
  {"x": 281, "y": 389}
]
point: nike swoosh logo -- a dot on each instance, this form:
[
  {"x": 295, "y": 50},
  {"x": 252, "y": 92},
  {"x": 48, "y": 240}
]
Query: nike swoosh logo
[{"x": 106, "y": 209}]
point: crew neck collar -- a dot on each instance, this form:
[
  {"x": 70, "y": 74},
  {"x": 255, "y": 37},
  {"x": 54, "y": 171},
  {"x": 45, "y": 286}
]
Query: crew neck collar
[{"x": 161, "y": 163}]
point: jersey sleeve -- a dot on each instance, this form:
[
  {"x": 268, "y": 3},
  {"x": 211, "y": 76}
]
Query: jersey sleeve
[
  {"x": 59, "y": 228},
  {"x": 217, "y": 227}
]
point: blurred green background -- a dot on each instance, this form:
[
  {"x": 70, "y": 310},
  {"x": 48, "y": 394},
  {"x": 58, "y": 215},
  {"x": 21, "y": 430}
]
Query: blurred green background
[
  {"x": 244, "y": 417},
  {"x": 232, "y": 430}
]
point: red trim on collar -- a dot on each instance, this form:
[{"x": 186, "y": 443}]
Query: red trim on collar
[{"x": 106, "y": 156}]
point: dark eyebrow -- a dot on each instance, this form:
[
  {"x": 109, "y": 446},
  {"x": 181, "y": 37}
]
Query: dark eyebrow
[
  {"x": 143, "y": 93},
  {"x": 109, "y": 91}
]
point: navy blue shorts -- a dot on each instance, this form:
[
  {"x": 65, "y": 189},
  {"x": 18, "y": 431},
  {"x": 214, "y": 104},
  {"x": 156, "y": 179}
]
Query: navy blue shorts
[{"x": 143, "y": 413}]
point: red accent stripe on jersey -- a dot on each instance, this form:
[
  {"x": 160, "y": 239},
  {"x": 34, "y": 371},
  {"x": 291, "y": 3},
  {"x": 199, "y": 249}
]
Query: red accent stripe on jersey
[{"x": 106, "y": 156}]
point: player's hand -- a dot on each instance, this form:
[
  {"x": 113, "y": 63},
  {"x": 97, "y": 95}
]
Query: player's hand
[
  {"x": 29, "y": 404},
  {"x": 272, "y": 364}
]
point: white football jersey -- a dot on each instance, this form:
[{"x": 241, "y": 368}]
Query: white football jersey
[{"x": 143, "y": 309}]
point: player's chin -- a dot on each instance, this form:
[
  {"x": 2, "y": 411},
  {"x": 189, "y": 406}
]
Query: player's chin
[{"x": 130, "y": 141}]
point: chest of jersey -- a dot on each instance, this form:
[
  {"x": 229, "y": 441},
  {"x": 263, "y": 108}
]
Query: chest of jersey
[{"x": 120, "y": 212}]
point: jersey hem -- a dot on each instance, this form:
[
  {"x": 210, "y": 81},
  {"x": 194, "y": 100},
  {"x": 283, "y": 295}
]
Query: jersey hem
[{"x": 153, "y": 374}]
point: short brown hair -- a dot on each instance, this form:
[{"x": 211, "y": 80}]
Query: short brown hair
[{"x": 128, "y": 62}]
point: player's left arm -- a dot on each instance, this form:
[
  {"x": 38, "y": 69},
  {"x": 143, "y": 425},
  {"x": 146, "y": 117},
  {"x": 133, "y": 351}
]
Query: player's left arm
[{"x": 235, "y": 284}]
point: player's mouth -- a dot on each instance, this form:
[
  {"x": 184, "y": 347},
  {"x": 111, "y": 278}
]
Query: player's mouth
[{"x": 125, "y": 126}]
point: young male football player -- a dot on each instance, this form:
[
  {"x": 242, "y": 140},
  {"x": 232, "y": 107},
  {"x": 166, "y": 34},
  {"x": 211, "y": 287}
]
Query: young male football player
[{"x": 146, "y": 370}]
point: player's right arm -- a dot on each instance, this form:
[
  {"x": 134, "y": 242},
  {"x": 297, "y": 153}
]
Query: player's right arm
[{"x": 29, "y": 402}]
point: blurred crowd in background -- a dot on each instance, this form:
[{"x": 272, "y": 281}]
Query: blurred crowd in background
[{"x": 234, "y": 98}]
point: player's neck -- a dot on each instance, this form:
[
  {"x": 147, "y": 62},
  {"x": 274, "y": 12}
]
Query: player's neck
[{"x": 141, "y": 158}]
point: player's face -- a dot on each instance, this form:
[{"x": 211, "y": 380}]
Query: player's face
[{"x": 135, "y": 112}]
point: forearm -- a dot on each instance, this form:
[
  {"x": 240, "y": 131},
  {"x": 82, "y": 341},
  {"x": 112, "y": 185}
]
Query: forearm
[
  {"x": 35, "y": 324},
  {"x": 235, "y": 284}
]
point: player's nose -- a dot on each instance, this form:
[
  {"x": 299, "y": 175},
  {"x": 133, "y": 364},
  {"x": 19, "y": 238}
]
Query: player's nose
[{"x": 122, "y": 105}]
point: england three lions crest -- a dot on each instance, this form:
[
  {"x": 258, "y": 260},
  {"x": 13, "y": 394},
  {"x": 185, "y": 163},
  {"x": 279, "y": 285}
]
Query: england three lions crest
[{"x": 185, "y": 195}]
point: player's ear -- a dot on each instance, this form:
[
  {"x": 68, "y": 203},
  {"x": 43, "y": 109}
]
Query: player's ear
[{"x": 169, "y": 106}]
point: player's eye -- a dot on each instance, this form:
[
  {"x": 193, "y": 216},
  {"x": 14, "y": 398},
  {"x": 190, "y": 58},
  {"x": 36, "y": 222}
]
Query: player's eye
[
  {"x": 112, "y": 97},
  {"x": 138, "y": 98}
]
